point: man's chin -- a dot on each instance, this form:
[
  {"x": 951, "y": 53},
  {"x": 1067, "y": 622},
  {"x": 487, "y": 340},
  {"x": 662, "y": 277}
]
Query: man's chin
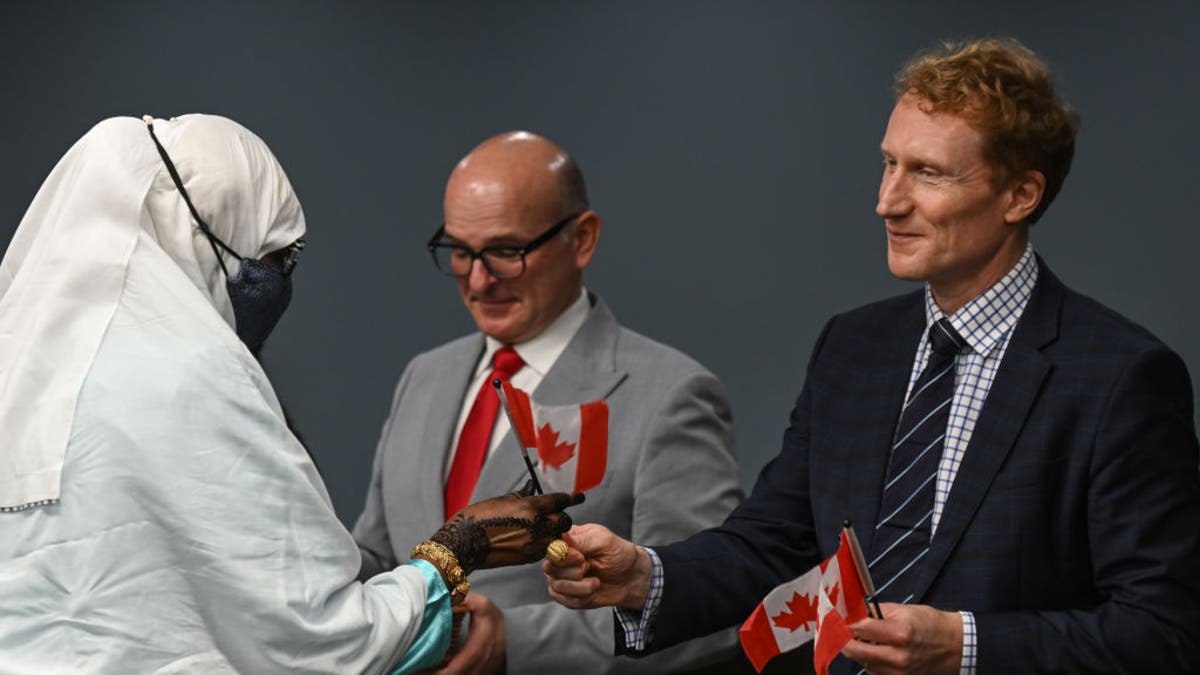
[
  {"x": 499, "y": 328},
  {"x": 905, "y": 268}
]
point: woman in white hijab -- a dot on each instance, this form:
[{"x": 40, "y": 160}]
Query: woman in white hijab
[{"x": 156, "y": 514}]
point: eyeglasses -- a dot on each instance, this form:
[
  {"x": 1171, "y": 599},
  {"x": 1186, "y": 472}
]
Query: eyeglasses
[
  {"x": 502, "y": 262},
  {"x": 286, "y": 258}
]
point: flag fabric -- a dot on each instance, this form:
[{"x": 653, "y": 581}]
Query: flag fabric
[
  {"x": 571, "y": 440},
  {"x": 819, "y": 605}
]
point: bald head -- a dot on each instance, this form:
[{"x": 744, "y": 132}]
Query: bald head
[
  {"x": 511, "y": 191},
  {"x": 522, "y": 165}
]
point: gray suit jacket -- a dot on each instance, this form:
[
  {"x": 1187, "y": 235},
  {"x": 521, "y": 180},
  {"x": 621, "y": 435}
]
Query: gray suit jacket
[{"x": 671, "y": 472}]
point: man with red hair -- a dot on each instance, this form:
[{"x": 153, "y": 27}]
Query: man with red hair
[{"x": 1021, "y": 462}]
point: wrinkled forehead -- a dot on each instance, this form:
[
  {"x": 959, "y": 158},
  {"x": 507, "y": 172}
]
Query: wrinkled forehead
[{"x": 913, "y": 125}]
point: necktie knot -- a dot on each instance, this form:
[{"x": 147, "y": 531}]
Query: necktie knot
[
  {"x": 506, "y": 362},
  {"x": 943, "y": 339}
]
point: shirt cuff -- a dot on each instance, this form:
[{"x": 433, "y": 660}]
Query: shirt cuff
[
  {"x": 970, "y": 647},
  {"x": 638, "y": 627}
]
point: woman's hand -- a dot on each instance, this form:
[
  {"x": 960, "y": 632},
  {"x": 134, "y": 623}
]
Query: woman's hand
[{"x": 510, "y": 530}]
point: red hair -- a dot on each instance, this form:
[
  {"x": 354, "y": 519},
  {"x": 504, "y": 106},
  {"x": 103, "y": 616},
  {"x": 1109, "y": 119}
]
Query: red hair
[{"x": 1002, "y": 89}]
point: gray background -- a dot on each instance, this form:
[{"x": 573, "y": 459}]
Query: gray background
[{"x": 731, "y": 148}]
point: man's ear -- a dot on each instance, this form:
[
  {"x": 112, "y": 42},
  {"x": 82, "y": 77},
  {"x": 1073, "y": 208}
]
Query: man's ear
[
  {"x": 584, "y": 238},
  {"x": 1025, "y": 193}
]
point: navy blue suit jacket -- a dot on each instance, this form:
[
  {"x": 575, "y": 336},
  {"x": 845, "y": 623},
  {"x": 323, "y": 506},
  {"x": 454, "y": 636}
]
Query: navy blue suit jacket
[{"x": 1072, "y": 530}]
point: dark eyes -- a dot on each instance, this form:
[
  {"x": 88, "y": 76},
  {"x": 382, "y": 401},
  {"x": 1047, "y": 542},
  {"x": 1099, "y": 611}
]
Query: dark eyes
[
  {"x": 890, "y": 164},
  {"x": 507, "y": 253}
]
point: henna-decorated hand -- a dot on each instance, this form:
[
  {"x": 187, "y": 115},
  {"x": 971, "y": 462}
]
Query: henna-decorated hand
[{"x": 510, "y": 530}]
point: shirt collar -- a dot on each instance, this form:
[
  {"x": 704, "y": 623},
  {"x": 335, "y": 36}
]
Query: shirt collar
[
  {"x": 989, "y": 317},
  {"x": 541, "y": 351}
]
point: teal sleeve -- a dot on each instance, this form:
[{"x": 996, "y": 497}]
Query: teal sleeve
[{"x": 434, "y": 638}]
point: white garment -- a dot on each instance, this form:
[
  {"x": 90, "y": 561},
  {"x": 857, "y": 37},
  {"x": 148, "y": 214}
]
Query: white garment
[
  {"x": 62, "y": 275},
  {"x": 192, "y": 533}
]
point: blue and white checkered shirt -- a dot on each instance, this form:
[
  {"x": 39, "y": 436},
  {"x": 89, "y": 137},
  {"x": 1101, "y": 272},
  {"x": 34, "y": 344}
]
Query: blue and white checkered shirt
[
  {"x": 638, "y": 625},
  {"x": 986, "y": 324}
]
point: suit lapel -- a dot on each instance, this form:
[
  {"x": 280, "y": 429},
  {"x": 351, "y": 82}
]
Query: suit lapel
[
  {"x": 1012, "y": 395},
  {"x": 446, "y": 392},
  {"x": 503, "y": 472},
  {"x": 887, "y": 384},
  {"x": 585, "y": 371}
]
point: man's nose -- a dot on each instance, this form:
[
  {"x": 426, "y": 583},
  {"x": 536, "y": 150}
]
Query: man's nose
[
  {"x": 893, "y": 196},
  {"x": 479, "y": 277}
]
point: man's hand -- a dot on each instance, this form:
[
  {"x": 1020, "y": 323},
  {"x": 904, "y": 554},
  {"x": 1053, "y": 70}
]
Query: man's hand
[
  {"x": 483, "y": 651},
  {"x": 510, "y": 530},
  {"x": 909, "y": 639},
  {"x": 601, "y": 570}
]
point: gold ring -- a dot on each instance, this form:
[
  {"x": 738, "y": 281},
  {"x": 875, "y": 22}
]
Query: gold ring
[{"x": 557, "y": 552}]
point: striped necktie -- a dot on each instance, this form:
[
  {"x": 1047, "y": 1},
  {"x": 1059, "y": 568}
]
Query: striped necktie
[{"x": 902, "y": 532}]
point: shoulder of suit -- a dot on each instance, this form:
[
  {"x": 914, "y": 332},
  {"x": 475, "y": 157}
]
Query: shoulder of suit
[
  {"x": 467, "y": 346},
  {"x": 1084, "y": 318},
  {"x": 637, "y": 353},
  {"x": 882, "y": 315}
]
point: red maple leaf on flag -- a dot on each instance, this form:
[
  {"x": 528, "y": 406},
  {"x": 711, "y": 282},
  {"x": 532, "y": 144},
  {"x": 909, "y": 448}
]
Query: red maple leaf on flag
[
  {"x": 550, "y": 450},
  {"x": 832, "y": 592},
  {"x": 801, "y": 610}
]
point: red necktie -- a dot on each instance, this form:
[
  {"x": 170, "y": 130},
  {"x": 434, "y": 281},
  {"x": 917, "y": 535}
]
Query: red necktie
[{"x": 476, "y": 433}]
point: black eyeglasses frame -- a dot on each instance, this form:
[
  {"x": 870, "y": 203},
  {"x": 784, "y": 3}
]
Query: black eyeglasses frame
[
  {"x": 435, "y": 242},
  {"x": 291, "y": 256}
]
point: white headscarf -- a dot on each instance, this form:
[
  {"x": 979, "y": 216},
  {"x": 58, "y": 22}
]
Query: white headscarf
[{"x": 63, "y": 274}]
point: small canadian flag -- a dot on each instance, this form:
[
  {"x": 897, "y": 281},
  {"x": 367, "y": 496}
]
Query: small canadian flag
[
  {"x": 819, "y": 605},
  {"x": 571, "y": 440}
]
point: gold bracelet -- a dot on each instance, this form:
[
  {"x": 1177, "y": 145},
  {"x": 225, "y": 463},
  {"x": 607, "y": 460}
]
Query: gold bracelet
[{"x": 447, "y": 565}]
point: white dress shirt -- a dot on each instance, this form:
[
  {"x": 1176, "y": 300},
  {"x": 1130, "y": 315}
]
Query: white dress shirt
[{"x": 539, "y": 355}]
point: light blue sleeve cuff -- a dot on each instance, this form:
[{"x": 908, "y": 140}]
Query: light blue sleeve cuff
[
  {"x": 434, "y": 638},
  {"x": 638, "y": 627},
  {"x": 970, "y": 645}
]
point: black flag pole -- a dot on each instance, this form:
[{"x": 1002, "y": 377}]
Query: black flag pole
[
  {"x": 860, "y": 564},
  {"x": 537, "y": 486}
]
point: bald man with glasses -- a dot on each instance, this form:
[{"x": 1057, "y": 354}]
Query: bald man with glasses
[{"x": 517, "y": 235}]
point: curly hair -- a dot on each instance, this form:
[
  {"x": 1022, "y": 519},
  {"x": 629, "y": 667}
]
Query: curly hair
[{"x": 1002, "y": 89}]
